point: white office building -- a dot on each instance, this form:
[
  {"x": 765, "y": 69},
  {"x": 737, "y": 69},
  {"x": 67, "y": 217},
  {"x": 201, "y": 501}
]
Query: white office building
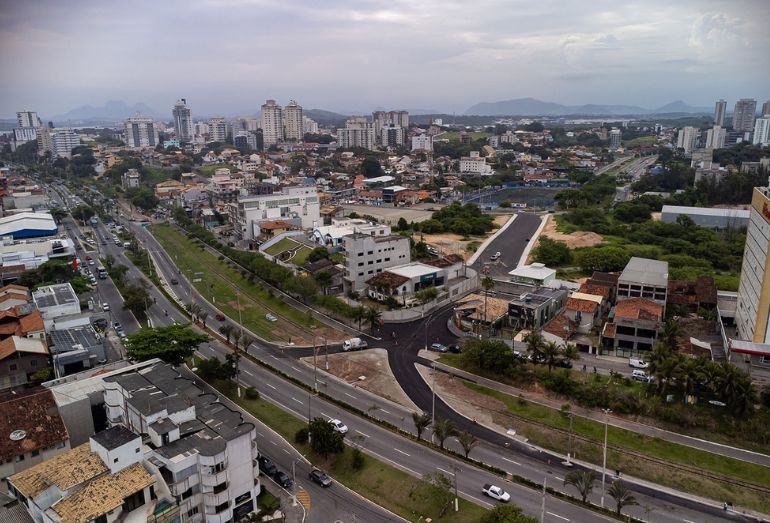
[
  {"x": 141, "y": 131},
  {"x": 272, "y": 123},
  {"x": 687, "y": 139},
  {"x": 752, "y": 314},
  {"x": 720, "y": 110},
  {"x": 21, "y": 136},
  {"x": 298, "y": 203},
  {"x": 293, "y": 124},
  {"x": 762, "y": 131},
  {"x": 367, "y": 255},
  {"x": 715, "y": 137},
  {"x": 358, "y": 132},
  {"x": 183, "y": 123},
  {"x": 615, "y": 138},
  {"x": 475, "y": 164}
]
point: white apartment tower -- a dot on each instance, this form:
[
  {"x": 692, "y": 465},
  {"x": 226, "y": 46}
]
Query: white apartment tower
[
  {"x": 744, "y": 114},
  {"x": 183, "y": 123},
  {"x": 28, "y": 119},
  {"x": 752, "y": 313},
  {"x": 293, "y": 125},
  {"x": 615, "y": 138},
  {"x": 687, "y": 139},
  {"x": 141, "y": 131},
  {"x": 720, "y": 109},
  {"x": 272, "y": 122},
  {"x": 217, "y": 129},
  {"x": 309, "y": 125},
  {"x": 762, "y": 131},
  {"x": 63, "y": 141},
  {"x": 358, "y": 132},
  {"x": 715, "y": 137}
]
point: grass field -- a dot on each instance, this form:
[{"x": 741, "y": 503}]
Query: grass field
[
  {"x": 454, "y": 136},
  {"x": 219, "y": 283},
  {"x": 208, "y": 170},
  {"x": 640, "y": 142},
  {"x": 389, "y": 487},
  {"x": 283, "y": 245}
]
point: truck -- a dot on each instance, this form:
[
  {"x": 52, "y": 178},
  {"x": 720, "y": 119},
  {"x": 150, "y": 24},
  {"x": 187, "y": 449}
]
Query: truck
[
  {"x": 497, "y": 493},
  {"x": 354, "y": 344}
]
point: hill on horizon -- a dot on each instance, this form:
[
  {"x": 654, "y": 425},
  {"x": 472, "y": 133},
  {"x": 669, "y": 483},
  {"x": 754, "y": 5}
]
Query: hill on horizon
[{"x": 534, "y": 107}]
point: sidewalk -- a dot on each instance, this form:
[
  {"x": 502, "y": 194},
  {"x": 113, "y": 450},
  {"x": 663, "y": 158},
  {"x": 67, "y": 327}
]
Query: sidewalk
[{"x": 641, "y": 428}]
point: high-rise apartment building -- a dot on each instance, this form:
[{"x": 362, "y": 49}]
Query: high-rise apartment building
[
  {"x": 715, "y": 137},
  {"x": 766, "y": 108},
  {"x": 744, "y": 114},
  {"x": 141, "y": 131},
  {"x": 28, "y": 119},
  {"x": 183, "y": 123},
  {"x": 720, "y": 109},
  {"x": 615, "y": 138},
  {"x": 63, "y": 140},
  {"x": 762, "y": 131},
  {"x": 383, "y": 119},
  {"x": 309, "y": 125},
  {"x": 217, "y": 129},
  {"x": 752, "y": 315},
  {"x": 272, "y": 122},
  {"x": 358, "y": 132},
  {"x": 292, "y": 122},
  {"x": 392, "y": 136},
  {"x": 687, "y": 139},
  {"x": 44, "y": 141}
]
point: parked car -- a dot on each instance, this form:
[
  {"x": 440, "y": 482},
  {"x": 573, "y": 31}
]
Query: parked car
[
  {"x": 267, "y": 466},
  {"x": 640, "y": 375},
  {"x": 270, "y": 317},
  {"x": 105, "y": 306},
  {"x": 495, "y": 256},
  {"x": 338, "y": 426},
  {"x": 282, "y": 479},
  {"x": 637, "y": 363},
  {"x": 319, "y": 476},
  {"x": 118, "y": 326},
  {"x": 455, "y": 349},
  {"x": 438, "y": 347}
]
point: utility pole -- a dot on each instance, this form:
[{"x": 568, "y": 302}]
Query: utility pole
[
  {"x": 237, "y": 356},
  {"x": 293, "y": 484},
  {"x": 542, "y": 507},
  {"x": 326, "y": 352},
  {"x": 433, "y": 390},
  {"x": 604, "y": 456}
]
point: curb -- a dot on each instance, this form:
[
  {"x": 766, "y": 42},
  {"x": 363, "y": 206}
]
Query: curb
[
  {"x": 532, "y": 241},
  {"x": 489, "y": 240}
]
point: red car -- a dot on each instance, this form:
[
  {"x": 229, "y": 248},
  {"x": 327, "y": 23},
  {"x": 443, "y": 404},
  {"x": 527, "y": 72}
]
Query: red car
[{"x": 219, "y": 316}]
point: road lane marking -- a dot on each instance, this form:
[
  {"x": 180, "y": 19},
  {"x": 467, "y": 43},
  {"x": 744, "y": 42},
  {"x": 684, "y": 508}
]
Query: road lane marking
[
  {"x": 249, "y": 373},
  {"x": 273, "y": 442},
  {"x": 325, "y": 415},
  {"x": 364, "y": 435},
  {"x": 402, "y": 452},
  {"x": 511, "y": 461},
  {"x": 298, "y": 401},
  {"x": 385, "y": 411},
  {"x": 687, "y": 521},
  {"x": 260, "y": 434},
  {"x": 445, "y": 471},
  {"x": 270, "y": 386},
  {"x": 349, "y": 395},
  {"x": 557, "y": 516},
  {"x": 560, "y": 479},
  {"x": 294, "y": 368},
  {"x": 286, "y": 451}
]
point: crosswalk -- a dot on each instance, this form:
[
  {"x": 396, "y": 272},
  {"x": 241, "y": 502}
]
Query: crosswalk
[{"x": 304, "y": 498}]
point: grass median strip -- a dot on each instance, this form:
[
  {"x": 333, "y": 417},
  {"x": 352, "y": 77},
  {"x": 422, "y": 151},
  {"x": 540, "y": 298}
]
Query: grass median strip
[
  {"x": 385, "y": 485},
  {"x": 218, "y": 283}
]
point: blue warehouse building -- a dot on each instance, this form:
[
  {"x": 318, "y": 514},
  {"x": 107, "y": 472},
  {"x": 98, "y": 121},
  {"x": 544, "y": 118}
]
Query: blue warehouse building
[{"x": 28, "y": 225}]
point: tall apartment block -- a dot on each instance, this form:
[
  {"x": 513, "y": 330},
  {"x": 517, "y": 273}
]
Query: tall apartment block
[
  {"x": 292, "y": 122},
  {"x": 183, "y": 123},
  {"x": 752, "y": 315},
  {"x": 744, "y": 114},
  {"x": 272, "y": 122},
  {"x": 217, "y": 129},
  {"x": 766, "y": 108},
  {"x": 358, "y": 132},
  {"x": 141, "y": 131},
  {"x": 28, "y": 119},
  {"x": 720, "y": 109}
]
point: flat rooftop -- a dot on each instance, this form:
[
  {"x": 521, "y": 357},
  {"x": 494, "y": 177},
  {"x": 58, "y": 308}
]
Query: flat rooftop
[
  {"x": 706, "y": 211},
  {"x": 646, "y": 272},
  {"x": 413, "y": 270}
]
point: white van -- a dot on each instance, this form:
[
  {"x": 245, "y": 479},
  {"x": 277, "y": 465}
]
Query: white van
[{"x": 637, "y": 363}]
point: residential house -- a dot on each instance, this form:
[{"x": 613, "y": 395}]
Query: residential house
[
  {"x": 19, "y": 359},
  {"x": 644, "y": 278},
  {"x": 702, "y": 294},
  {"x": 633, "y": 327},
  {"x": 13, "y": 295},
  {"x": 476, "y": 313},
  {"x": 584, "y": 310},
  {"x": 336, "y": 274}
]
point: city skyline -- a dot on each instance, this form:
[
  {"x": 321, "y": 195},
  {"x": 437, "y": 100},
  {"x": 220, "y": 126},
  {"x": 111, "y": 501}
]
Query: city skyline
[{"x": 609, "y": 52}]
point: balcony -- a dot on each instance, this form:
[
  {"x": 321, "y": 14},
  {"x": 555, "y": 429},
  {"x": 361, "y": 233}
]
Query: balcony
[
  {"x": 212, "y": 480},
  {"x": 210, "y": 498}
]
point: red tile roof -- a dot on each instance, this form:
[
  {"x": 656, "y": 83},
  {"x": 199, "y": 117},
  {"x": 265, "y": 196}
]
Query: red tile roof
[
  {"x": 561, "y": 326},
  {"x": 35, "y": 414},
  {"x": 597, "y": 289},
  {"x": 639, "y": 309},
  {"x": 576, "y": 304},
  {"x": 609, "y": 330}
]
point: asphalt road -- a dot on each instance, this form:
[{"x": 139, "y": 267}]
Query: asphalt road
[{"x": 510, "y": 244}]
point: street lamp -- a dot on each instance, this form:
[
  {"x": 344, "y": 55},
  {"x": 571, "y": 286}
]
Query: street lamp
[
  {"x": 433, "y": 391},
  {"x": 604, "y": 457}
]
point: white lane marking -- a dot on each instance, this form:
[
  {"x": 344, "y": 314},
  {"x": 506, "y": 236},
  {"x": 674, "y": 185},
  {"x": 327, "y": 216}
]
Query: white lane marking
[
  {"x": 364, "y": 435},
  {"x": 270, "y": 386},
  {"x": 349, "y": 395},
  {"x": 273, "y": 442},
  {"x": 295, "y": 369},
  {"x": 325, "y": 415},
  {"x": 511, "y": 461},
  {"x": 260, "y": 434},
  {"x": 560, "y": 479},
  {"x": 385, "y": 411},
  {"x": 395, "y": 464},
  {"x": 298, "y": 401},
  {"x": 557, "y": 516},
  {"x": 445, "y": 471},
  {"x": 402, "y": 452},
  {"x": 247, "y": 372},
  {"x": 286, "y": 451},
  {"x": 687, "y": 521}
]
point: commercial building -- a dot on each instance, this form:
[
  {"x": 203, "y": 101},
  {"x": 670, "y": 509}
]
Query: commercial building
[
  {"x": 707, "y": 217},
  {"x": 761, "y": 132},
  {"x": 644, "y": 278},
  {"x": 633, "y": 328},
  {"x": 403, "y": 281},
  {"x": 104, "y": 480},
  {"x": 358, "y": 132},
  {"x": 532, "y": 310},
  {"x": 183, "y": 123},
  {"x": 687, "y": 139},
  {"x": 535, "y": 275},
  {"x": 217, "y": 129},
  {"x": 715, "y": 137},
  {"x": 744, "y": 114},
  {"x": 28, "y": 225},
  {"x": 299, "y": 203},
  {"x": 475, "y": 164},
  {"x": 54, "y": 301},
  {"x": 141, "y": 131},
  {"x": 293, "y": 124},
  {"x": 753, "y": 309},
  {"x": 367, "y": 255},
  {"x": 271, "y": 119},
  {"x": 28, "y": 119},
  {"x": 332, "y": 235},
  {"x": 33, "y": 432},
  {"x": 720, "y": 110},
  {"x": 76, "y": 349},
  {"x": 204, "y": 451},
  {"x": 615, "y": 138}
]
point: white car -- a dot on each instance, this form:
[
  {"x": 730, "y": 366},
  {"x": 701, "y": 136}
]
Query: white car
[
  {"x": 338, "y": 426},
  {"x": 270, "y": 317},
  {"x": 640, "y": 375},
  {"x": 105, "y": 306},
  {"x": 637, "y": 363},
  {"x": 495, "y": 256}
]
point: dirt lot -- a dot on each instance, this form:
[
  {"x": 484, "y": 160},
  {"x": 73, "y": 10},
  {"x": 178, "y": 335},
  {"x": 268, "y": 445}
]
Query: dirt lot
[
  {"x": 449, "y": 243},
  {"x": 373, "y": 365},
  {"x": 573, "y": 240}
]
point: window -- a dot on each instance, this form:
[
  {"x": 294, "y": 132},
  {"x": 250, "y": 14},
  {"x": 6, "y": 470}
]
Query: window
[
  {"x": 33, "y": 363},
  {"x": 136, "y": 450},
  {"x": 12, "y": 366},
  {"x": 192, "y": 512},
  {"x": 115, "y": 460},
  {"x": 34, "y": 453},
  {"x": 19, "y": 458}
]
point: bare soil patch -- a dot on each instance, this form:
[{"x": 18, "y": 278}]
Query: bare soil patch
[
  {"x": 574, "y": 239},
  {"x": 449, "y": 243}
]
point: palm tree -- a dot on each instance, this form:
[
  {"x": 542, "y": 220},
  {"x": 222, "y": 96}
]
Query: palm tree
[
  {"x": 488, "y": 283},
  {"x": 226, "y": 330},
  {"x": 467, "y": 442},
  {"x": 359, "y": 313},
  {"x": 582, "y": 480},
  {"x": 570, "y": 352},
  {"x": 373, "y": 316},
  {"x": 666, "y": 371},
  {"x": 671, "y": 331},
  {"x": 535, "y": 342},
  {"x": 551, "y": 352},
  {"x": 202, "y": 315},
  {"x": 443, "y": 429},
  {"x": 193, "y": 309},
  {"x": 421, "y": 422},
  {"x": 622, "y": 495},
  {"x": 690, "y": 374}
]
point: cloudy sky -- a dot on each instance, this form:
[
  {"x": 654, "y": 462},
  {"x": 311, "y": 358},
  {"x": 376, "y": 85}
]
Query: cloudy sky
[{"x": 228, "y": 56}]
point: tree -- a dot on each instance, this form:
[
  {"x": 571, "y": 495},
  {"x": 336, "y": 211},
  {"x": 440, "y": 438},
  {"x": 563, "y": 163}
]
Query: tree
[
  {"x": 551, "y": 252},
  {"x": 488, "y": 284},
  {"x": 402, "y": 224},
  {"x": 506, "y": 514},
  {"x": 570, "y": 352},
  {"x": 371, "y": 167},
  {"x": 467, "y": 441},
  {"x": 535, "y": 343},
  {"x": 489, "y": 355},
  {"x": 323, "y": 279},
  {"x": 441, "y": 491},
  {"x": 359, "y": 314},
  {"x": 301, "y": 286},
  {"x": 373, "y": 316},
  {"x": 226, "y": 330},
  {"x": 426, "y": 295},
  {"x": 551, "y": 354},
  {"x": 202, "y": 315},
  {"x": 622, "y": 495},
  {"x": 82, "y": 213},
  {"x": 422, "y": 421},
  {"x": 324, "y": 440},
  {"x": 230, "y": 367},
  {"x": 172, "y": 344},
  {"x": 319, "y": 253},
  {"x": 246, "y": 342},
  {"x": 136, "y": 299},
  {"x": 194, "y": 310},
  {"x": 582, "y": 480},
  {"x": 443, "y": 429}
]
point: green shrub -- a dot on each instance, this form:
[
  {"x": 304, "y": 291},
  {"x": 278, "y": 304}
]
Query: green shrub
[
  {"x": 302, "y": 436},
  {"x": 252, "y": 393}
]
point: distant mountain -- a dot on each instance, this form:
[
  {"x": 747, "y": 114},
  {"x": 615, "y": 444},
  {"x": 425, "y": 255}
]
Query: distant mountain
[
  {"x": 534, "y": 107},
  {"x": 112, "y": 110},
  {"x": 325, "y": 117}
]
